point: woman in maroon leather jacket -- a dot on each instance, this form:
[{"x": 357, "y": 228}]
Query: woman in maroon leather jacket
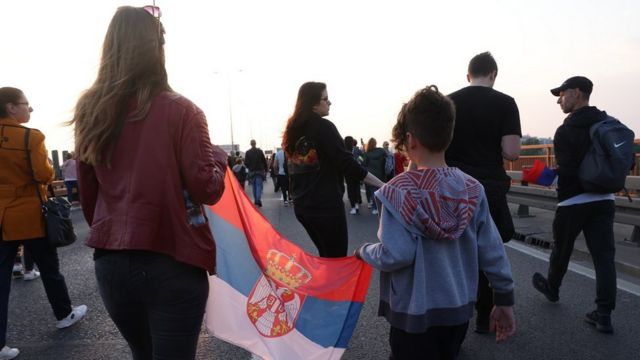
[{"x": 144, "y": 158}]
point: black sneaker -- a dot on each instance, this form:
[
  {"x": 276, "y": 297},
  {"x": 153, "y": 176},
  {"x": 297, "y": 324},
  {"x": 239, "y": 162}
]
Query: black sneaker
[
  {"x": 541, "y": 284},
  {"x": 602, "y": 322}
]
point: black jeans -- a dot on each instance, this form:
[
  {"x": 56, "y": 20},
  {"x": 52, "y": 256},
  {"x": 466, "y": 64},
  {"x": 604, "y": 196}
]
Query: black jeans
[
  {"x": 496, "y": 192},
  {"x": 328, "y": 232},
  {"x": 283, "y": 184},
  {"x": 156, "y": 302},
  {"x": 46, "y": 257},
  {"x": 595, "y": 219},
  {"x": 70, "y": 185},
  {"x": 27, "y": 260},
  {"x": 353, "y": 191},
  {"x": 438, "y": 342}
]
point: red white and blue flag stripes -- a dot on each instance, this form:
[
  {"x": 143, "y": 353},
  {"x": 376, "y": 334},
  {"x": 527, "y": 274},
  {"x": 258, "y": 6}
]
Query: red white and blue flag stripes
[{"x": 272, "y": 298}]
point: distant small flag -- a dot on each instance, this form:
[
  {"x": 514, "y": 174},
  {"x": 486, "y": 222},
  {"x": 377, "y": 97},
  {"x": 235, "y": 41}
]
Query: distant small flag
[{"x": 272, "y": 298}]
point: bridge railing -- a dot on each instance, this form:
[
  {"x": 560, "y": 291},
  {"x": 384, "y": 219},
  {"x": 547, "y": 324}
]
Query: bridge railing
[
  {"x": 545, "y": 153},
  {"x": 627, "y": 212}
]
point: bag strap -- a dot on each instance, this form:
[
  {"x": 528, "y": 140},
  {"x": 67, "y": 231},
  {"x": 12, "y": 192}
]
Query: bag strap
[
  {"x": 33, "y": 178},
  {"x": 596, "y": 125}
]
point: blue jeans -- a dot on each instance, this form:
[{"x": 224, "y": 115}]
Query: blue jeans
[
  {"x": 70, "y": 185},
  {"x": 369, "y": 191},
  {"x": 156, "y": 302},
  {"x": 257, "y": 182},
  {"x": 46, "y": 257}
]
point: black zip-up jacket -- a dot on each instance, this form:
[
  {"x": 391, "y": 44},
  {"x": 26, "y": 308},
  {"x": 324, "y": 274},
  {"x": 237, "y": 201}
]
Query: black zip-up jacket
[
  {"x": 316, "y": 177},
  {"x": 571, "y": 142},
  {"x": 254, "y": 160}
]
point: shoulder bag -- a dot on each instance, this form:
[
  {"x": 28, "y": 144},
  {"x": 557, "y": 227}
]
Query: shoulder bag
[{"x": 56, "y": 211}]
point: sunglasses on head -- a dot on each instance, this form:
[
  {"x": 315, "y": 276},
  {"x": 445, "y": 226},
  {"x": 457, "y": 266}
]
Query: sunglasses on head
[{"x": 153, "y": 11}]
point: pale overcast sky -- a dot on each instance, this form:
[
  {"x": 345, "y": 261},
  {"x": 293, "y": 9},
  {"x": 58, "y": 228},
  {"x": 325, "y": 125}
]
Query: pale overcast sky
[{"x": 373, "y": 55}]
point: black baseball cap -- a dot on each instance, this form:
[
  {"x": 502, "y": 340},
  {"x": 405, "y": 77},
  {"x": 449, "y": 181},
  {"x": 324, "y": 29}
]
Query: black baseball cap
[{"x": 577, "y": 82}]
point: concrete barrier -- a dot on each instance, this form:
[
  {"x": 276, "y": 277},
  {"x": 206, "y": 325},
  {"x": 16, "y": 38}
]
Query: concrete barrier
[{"x": 627, "y": 212}]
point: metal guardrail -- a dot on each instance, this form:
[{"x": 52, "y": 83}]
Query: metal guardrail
[
  {"x": 545, "y": 198},
  {"x": 545, "y": 153}
]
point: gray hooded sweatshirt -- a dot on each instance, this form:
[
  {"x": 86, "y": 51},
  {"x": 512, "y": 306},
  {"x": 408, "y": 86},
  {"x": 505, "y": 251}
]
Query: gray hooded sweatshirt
[{"x": 435, "y": 234}]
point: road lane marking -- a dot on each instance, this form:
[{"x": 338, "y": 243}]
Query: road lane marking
[{"x": 582, "y": 270}]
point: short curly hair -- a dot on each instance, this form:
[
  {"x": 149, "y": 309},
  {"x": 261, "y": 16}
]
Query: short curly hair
[{"x": 429, "y": 116}]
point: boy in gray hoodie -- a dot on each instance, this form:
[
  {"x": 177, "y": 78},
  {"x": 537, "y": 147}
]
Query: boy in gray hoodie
[{"x": 435, "y": 233}]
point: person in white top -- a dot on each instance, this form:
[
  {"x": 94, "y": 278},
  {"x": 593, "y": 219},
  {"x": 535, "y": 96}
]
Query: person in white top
[{"x": 283, "y": 177}]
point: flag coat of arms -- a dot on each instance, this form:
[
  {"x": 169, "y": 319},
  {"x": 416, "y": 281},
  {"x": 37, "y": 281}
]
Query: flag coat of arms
[{"x": 269, "y": 296}]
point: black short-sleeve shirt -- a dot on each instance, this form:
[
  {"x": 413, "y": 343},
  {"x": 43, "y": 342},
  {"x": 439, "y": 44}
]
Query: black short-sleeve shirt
[{"x": 483, "y": 117}]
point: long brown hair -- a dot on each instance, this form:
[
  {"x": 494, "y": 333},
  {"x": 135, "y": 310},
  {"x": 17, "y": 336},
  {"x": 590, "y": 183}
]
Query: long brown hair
[
  {"x": 371, "y": 144},
  {"x": 309, "y": 95},
  {"x": 131, "y": 74}
]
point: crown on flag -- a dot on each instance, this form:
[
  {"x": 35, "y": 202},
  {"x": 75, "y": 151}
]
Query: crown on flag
[{"x": 286, "y": 270}]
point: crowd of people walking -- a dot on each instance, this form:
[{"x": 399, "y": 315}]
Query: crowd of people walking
[{"x": 440, "y": 196}]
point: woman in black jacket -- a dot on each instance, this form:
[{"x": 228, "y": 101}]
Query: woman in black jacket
[
  {"x": 374, "y": 161},
  {"x": 317, "y": 162}
]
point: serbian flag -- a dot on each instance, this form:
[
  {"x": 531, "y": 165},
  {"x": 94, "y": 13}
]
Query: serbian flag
[{"x": 269, "y": 296}]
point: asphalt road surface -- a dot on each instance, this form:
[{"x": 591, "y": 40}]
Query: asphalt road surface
[{"x": 544, "y": 330}]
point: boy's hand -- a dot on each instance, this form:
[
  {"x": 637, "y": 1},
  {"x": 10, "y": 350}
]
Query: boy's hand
[
  {"x": 503, "y": 322},
  {"x": 356, "y": 252}
]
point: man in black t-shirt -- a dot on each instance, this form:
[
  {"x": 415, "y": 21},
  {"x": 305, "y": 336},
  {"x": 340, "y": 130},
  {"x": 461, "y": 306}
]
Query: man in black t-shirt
[{"x": 487, "y": 130}]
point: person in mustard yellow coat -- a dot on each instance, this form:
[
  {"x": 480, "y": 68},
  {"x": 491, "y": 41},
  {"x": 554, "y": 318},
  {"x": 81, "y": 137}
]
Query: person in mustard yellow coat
[{"x": 21, "y": 219}]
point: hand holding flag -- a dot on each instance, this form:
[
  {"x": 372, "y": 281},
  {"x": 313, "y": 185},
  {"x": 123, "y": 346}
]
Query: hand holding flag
[
  {"x": 539, "y": 174},
  {"x": 272, "y": 298}
]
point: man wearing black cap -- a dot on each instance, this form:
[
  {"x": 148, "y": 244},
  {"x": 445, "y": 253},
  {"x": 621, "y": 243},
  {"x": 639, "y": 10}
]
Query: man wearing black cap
[
  {"x": 577, "y": 209},
  {"x": 486, "y": 131}
]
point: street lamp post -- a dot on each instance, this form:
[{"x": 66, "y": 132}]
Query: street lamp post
[
  {"x": 229, "y": 102},
  {"x": 230, "y": 113}
]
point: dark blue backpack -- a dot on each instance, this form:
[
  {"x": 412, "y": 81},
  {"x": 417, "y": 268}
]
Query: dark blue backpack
[{"x": 608, "y": 161}]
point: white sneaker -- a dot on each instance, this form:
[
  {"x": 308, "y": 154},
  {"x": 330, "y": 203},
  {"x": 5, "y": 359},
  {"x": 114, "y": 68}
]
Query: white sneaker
[
  {"x": 353, "y": 211},
  {"x": 76, "y": 314},
  {"x": 8, "y": 353},
  {"x": 370, "y": 205},
  {"x": 31, "y": 275},
  {"x": 286, "y": 203},
  {"x": 374, "y": 211}
]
